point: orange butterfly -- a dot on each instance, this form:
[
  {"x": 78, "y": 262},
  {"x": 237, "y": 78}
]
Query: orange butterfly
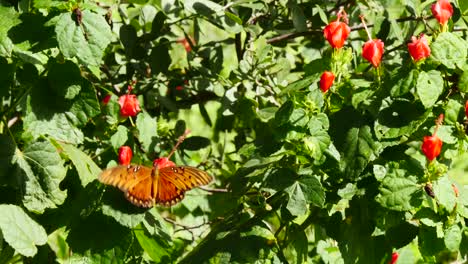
[{"x": 164, "y": 184}]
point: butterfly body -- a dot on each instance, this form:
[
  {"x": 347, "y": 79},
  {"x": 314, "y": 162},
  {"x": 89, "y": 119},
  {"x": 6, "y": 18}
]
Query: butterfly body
[{"x": 163, "y": 184}]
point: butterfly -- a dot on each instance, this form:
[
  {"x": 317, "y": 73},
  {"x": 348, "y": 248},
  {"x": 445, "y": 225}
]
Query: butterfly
[{"x": 163, "y": 184}]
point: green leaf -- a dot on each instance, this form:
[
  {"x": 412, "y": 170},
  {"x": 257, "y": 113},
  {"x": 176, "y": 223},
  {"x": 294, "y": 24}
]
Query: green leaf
[
  {"x": 195, "y": 143},
  {"x": 57, "y": 242},
  {"x": 117, "y": 207},
  {"x": 399, "y": 118},
  {"x": 284, "y": 112},
  {"x": 300, "y": 84},
  {"x": 453, "y": 237},
  {"x": 128, "y": 36},
  {"x": 399, "y": 191},
  {"x": 299, "y": 118},
  {"x": 401, "y": 234},
  {"x": 298, "y": 17},
  {"x": 60, "y": 119},
  {"x": 7, "y": 152},
  {"x": 85, "y": 166},
  {"x": 450, "y": 50},
  {"x": 429, "y": 87},
  {"x": 359, "y": 149},
  {"x": 20, "y": 231},
  {"x": 87, "y": 40},
  {"x": 120, "y": 137},
  {"x": 154, "y": 247},
  {"x": 401, "y": 82},
  {"x": 452, "y": 111},
  {"x": 10, "y": 18},
  {"x": 306, "y": 190},
  {"x": 147, "y": 131},
  {"x": 40, "y": 170},
  {"x": 444, "y": 193},
  {"x": 159, "y": 59},
  {"x": 317, "y": 143},
  {"x": 203, "y": 7},
  {"x": 298, "y": 244},
  {"x": 65, "y": 79},
  {"x": 463, "y": 82},
  {"x": 233, "y": 17},
  {"x": 265, "y": 114},
  {"x": 157, "y": 25}
]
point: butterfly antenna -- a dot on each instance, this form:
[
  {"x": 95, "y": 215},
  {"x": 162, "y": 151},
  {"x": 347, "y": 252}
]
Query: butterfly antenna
[{"x": 180, "y": 140}]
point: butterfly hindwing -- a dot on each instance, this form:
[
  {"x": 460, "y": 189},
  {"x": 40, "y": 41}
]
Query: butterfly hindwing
[
  {"x": 141, "y": 194},
  {"x": 134, "y": 180},
  {"x": 175, "y": 181}
]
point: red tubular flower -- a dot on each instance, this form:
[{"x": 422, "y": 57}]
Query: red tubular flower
[
  {"x": 125, "y": 155},
  {"x": 418, "y": 48},
  {"x": 394, "y": 258},
  {"x": 336, "y": 33},
  {"x": 163, "y": 162},
  {"x": 372, "y": 51},
  {"x": 432, "y": 145},
  {"x": 466, "y": 109},
  {"x": 106, "y": 99},
  {"x": 129, "y": 105},
  {"x": 455, "y": 190},
  {"x": 326, "y": 81},
  {"x": 186, "y": 44},
  {"x": 442, "y": 11}
]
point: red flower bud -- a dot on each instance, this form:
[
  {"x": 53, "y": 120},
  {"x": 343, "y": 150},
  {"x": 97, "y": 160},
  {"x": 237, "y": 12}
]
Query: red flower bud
[
  {"x": 466, "y": 109},
  {"x": 394, "y": 258},
  {"x": 326, "y": 81},
  {"x": 163, "y": 162},
  {"x": 431, "y": 147},
  {"x": 442, "y": 11},
  {"x": 455, "y": 190},
  {"x": 186, "y": 44},
  {"x": 106, "y": 99},
  {"x": 129, "y": 105},
  {"x": 336, "y": 33},
  {"x": 372, "y": 51},
  {"x": 179, "y": 87},
  {"x": 125, "y": 155},
  {"x": 418, "y": 48}
]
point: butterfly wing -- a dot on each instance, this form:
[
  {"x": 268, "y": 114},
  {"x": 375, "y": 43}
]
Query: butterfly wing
[
  {"x": 134, "y": 180},
  {"x": 173, "y": 182}
]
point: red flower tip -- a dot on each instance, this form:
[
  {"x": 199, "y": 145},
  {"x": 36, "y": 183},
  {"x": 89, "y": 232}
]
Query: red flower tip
[
  {"x": 455, "y": 190},
  {"x": 394, "y": 258},
  {"x": 431, "y": 147},
  {"x": 326, "y": 81},
  {"x": 466, "y": 109},
  {"x": 163, "y": 162},
  {"x": 442, "y": 11},
  {"x": 129, "y": 88},
  {"x": 337, "y": 32},
  {"x": 372, "y": 51},
  {"x": 186, "y": 44},
  {"x": 179, "y": 87},
  {"x": 125, "y": 155},
  {"x": 129, "y": 105},
  {"x": 106, "y": 99},
  {"x": 419, "y": 48}
]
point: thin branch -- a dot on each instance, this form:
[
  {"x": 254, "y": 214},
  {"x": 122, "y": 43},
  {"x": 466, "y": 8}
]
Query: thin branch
[
  {"x": 293, "y": 35},
  {"x": 213, "y": 190}
]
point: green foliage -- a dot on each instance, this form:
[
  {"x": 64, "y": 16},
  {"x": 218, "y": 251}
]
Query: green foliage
[{"x": 300, "y": 176}]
